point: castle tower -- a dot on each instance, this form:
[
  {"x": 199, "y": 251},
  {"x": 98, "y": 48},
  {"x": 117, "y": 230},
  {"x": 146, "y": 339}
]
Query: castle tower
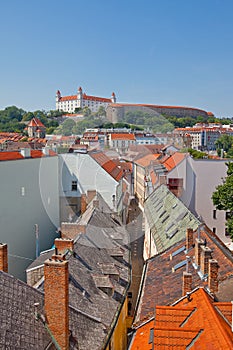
[
  {"x": 113, "y": 98},
  {"x": 58, "y": 97},
  {"x": 80, "y": 97}
]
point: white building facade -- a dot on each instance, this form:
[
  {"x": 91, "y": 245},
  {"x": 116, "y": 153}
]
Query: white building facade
[
  {"x": 80, "y": 100},
  {"x": 29, "y": 206},
  {"x": 80, "y": 173},
  {"x": 199, "y": 179}
]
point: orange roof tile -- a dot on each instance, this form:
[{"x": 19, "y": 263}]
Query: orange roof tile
[
  {"x": 36, "y": 122},
  {"x": 10, "y": 156},
  {"x": 194, "y": 321},
  {"x": 107, "y": 164},
  {"x": 68, "y": 98},
  {"x": 172, "y": 161},
  {"x": 95, "y": 98},
  {"x": 122, "y": 136},
  {"x": 146, "y": 160}
]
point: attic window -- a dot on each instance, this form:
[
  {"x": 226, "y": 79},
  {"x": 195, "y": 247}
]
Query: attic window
[
  {"x": 173, "y": 233},
  {"x": 179, "y": 265},
  {"x": 178, "y": 251}
]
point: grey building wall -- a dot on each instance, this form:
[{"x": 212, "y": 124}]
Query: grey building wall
[
  {"x": 201, "y": 177},
  {"x": 28, "y": 196}
]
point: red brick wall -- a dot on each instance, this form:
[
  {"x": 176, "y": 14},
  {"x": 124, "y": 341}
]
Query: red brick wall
[
  {"x": 62, "y": 244},
  {"x": 3, "y": 257},
  {"x": 56, "y": 288}
]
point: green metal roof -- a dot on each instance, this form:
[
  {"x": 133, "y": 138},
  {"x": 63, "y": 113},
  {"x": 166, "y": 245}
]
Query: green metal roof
[{"x": 168, "y": 218}]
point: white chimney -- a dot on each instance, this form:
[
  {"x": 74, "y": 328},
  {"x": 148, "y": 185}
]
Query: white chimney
[
  {"x": 26, "y": 152},
  {"x": 46, "y": 150}
]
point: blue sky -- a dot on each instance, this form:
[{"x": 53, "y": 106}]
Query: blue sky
[{"x": 171, "y": 52}]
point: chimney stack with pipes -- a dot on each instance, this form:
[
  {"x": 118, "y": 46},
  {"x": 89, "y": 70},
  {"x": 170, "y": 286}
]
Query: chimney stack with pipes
[
  {"x": 187, "y": 283},
  {"x": 63, "y": 244},
  {"x": 189, "y": 238},
  {"x": 56, "y": 300},
  {"x": 205, "y": 256},
  {"x": 3, "y": 257},
  {"x": 213, "y": 275}
]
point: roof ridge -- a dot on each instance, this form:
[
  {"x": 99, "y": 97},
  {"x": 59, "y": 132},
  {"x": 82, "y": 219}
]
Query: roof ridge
[{"x": 215, "y": 315}]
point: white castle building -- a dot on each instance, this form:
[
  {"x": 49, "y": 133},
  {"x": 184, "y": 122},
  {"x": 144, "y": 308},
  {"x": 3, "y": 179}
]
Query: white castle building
[{"x": 80, "y": 100}]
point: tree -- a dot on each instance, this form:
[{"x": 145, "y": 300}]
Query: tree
[
  {"x": 224, "y": 142},
  {"x": 223, "y": 198}
]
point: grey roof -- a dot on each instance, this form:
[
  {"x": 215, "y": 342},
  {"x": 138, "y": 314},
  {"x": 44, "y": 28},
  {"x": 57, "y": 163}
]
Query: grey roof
[
  {"x": 100, "y": 261},
  {"x": 168, "y": 218},
  {"x": 19, "y": 327}
]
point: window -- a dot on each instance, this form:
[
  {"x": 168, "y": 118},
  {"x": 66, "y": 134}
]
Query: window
[
  {"x": 214, "y": 214},
  {"x": 74, "y": 186},
  {"x": 214, "y": 229}
]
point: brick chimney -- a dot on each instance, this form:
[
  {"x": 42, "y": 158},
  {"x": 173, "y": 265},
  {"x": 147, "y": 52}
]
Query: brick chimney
[
  {"x": 205, "y": 256},
  {"x": 189, "y": 238},
  {"x": 71, "y": 230},
  {"x": 187, "y": 283},
  {"x": 90, "y": 195},
  {"x": 83, "y": 203},
  {"x": 198, "y": 244},
  {"x": 56, "y": 300},
  {"x": 213, "y": 275},
  {"x": 3, "y": 257},
  {"x": 63, "y": 244}
]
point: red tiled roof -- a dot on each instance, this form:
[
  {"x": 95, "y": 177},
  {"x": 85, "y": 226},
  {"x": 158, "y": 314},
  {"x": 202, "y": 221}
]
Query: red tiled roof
[
  {"x": 166, "y": 285},
  {"x": 86, "y": 97},
  {"x": 95, "y": 98},
  {"x": 146, "y": 160},
  {"x": 194, "y": 321},
  {"x": 172, "y": 161},
  {"x": 68, "y": 98},
  {"x": 14, "y": 155},
  {"x": 36, "y": 122},
  {"x": 122, "y": 136},
  {"x": 10, "y": 156},
  {"x": 107, "y": 164}
]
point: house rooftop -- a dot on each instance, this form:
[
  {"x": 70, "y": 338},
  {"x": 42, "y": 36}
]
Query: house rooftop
[
  {"x": 190, "y": 323},
  {"x": 168, "y": 218},
  {"x": 163, "y": 274}
]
